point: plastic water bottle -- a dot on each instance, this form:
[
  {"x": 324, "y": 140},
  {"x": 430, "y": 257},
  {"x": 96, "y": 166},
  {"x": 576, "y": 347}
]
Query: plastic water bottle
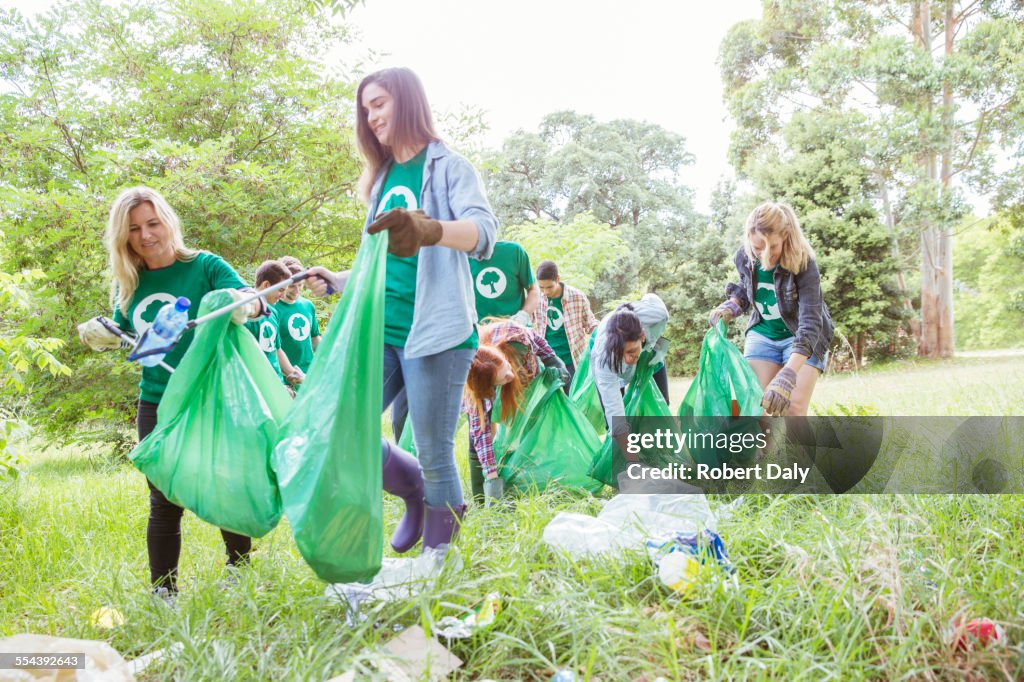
[{"x": 169, "y": 324}]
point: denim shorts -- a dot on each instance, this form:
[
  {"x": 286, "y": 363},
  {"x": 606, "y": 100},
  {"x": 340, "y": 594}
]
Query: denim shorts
[{"x": 760, "y": 347}]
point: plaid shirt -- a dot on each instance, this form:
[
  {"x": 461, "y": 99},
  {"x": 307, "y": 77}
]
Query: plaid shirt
[
  {"x": 579, "y": 319},
  {"x": 480, "y": 432}
]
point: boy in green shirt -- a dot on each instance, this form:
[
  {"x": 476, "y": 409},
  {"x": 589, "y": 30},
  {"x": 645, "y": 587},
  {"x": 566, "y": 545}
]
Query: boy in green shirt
[
  {"x": 267, "y": 330},
  {"x": 300, "y": 332}
]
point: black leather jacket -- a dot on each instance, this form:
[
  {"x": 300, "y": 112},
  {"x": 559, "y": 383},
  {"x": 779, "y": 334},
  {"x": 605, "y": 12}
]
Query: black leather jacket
[{"x": 800, "y": 304}]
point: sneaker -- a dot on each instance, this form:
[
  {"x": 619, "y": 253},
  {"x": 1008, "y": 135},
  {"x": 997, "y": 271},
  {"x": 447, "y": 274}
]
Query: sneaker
[
  {"x": 232, "y": 577},
  {"x": 165, "y": 597}
]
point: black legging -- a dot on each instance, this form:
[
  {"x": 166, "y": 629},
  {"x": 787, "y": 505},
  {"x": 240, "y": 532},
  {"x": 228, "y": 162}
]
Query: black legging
[
  {"x": 163, "y": 532},
  {"x": 661, "y": 379}
]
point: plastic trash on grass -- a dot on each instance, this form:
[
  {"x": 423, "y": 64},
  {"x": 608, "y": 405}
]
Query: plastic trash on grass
[{"x": 681, "y": 557}]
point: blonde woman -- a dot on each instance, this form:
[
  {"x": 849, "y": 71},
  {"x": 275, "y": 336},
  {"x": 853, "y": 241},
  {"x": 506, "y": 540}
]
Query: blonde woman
[
  {"x": 789, "y": 331},
  {"x": 151, "y": 266}
]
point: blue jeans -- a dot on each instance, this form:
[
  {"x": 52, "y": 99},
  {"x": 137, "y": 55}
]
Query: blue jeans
[
  {"x": 433, "y": 386},
  {"x": 760, "y": 347}
]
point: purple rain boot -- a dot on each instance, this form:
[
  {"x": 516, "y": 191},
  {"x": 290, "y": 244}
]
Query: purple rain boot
[
  {"x": 442, "y": 526},
  {"x": 402, "y": 477}
]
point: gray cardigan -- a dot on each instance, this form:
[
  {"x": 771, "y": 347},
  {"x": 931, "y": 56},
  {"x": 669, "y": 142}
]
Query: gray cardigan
[{"x": 445, "y": 306}]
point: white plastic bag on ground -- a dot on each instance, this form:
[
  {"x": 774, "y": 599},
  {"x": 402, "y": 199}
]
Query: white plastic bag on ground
[
  {"x": 627, "y": 521},
  {"x": 398, "y": 578},
  {"x": 102, "y": 662}
]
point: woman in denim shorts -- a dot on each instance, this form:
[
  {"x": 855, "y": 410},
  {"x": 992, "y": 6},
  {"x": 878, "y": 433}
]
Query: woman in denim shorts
[{"x": 790, "y": 331}]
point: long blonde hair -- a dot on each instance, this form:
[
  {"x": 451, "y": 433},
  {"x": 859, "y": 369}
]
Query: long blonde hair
[
  {"x": 780, "y": 218},
  {"x": 125, "y": 264}
]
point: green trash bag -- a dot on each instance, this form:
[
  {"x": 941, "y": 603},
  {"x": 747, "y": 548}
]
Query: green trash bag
[
  {"x": 583, "y": 393},
  {"x": 328, "y": 461},
  {"x": 510, "y": 434},
  {"x": 725, "y": 387},
  {"x": 216, "y": 427},
  {"x": 555, "y": 446},
  {"x": 407, "y": 442},
  {"x": 642, "y": 400}
]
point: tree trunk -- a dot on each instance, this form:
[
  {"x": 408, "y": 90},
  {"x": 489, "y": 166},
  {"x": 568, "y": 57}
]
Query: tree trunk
[
  {"x": 936, "y": 339},
  {"x": 858, "y": 350}
]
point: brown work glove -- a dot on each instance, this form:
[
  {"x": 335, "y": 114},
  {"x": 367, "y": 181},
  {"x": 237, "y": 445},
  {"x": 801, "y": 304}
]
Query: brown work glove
[
  {"x": 775, "y": 400},
  {"x": 407, "y": 231}
]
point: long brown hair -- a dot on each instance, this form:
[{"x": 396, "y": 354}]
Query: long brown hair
[
  {"x": 411, "y": 122},
  {"x": 483, "y": 374}
]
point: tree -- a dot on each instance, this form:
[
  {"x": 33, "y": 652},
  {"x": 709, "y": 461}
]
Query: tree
[
  {"x": 822, "y": 175},
  {"x": 554, "y": 185},
  {"x": 939, "y": 83},
  {"x": 581, "y": 248},
  {"x": 20, "y": 356},
  {"x": 221, "y": 106},
  {"x": 988, "y": 291}
]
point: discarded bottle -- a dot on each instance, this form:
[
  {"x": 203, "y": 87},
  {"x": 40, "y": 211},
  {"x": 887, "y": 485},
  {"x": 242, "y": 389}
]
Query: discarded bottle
[{"x": 159, "y": 339}]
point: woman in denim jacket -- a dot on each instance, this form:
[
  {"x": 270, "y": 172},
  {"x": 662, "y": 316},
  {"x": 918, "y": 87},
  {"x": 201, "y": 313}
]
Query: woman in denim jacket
[
  {"x": 790, "y": 331},
  {"x": 431, "y": 202}
]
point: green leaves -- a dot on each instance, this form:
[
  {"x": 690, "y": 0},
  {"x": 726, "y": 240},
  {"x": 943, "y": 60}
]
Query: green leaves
[{"x": 223, "y": 107}]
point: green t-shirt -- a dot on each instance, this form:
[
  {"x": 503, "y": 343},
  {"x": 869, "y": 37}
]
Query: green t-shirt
[
  {"x": 192, "y": 279},
  {"x": 267, "y": 331},
  {"x": 771, "y": 324},
  {"x": 298, "y": 328},
  {"x": 401, "y": 189},
  {"x": 500, "y": 282},
  {"x": 555, "y": 334}
]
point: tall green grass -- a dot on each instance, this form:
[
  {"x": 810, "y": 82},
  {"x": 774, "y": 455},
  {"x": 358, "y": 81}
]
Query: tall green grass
[{"x": 838, "y": 588}]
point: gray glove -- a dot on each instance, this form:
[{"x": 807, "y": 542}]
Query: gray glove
[
  {"x": 563, "y": 371},
  {"x": 725, "y": 312},
  {"x": 494, "y": 488},
  {"x": 775, "y": 400},
  {"x": 661, "y": 347}
]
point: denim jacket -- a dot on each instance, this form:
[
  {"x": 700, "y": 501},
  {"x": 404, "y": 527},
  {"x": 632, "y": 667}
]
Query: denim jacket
[
  {"x": 800, "y": 304},
  {"x": 445, "y": 306}
]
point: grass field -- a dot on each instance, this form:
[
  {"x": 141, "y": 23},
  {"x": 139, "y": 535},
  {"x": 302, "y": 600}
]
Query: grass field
[{"x": 849, "y": 587}]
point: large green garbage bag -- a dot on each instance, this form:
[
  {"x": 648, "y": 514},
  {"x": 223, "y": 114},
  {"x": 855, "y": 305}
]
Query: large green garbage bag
[
  {"x": 643, "y": 401},
  {"x": 216, "y": 427},
  {"x": 725, "y": 385},
  {"x": 725, "y": 388},
  {"x": 583, "y": 392},
  {"x": 554, "y": 442},
  {"x": 511, "y": 433},
  {"x": 328, "y": 461}
]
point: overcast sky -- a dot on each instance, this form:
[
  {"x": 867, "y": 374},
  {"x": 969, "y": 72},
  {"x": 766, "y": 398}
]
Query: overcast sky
[{"x": 650, "y": 60}]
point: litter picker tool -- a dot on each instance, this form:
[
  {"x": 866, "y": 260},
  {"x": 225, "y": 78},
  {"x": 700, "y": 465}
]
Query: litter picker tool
[{"x": 135, "y": 355}]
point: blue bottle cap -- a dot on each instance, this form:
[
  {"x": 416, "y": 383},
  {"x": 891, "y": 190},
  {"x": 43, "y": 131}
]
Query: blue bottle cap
[{"x": 182, "y": 304}]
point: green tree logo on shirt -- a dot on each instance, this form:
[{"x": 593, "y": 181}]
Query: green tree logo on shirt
[
  {"x": 491, "y": 282},
  {"x": 397, "y": 197},
  {"x": 145, "y": 312},
  {"x": 768, "y": 301},
  {"x": 555, "y": 318},
  {"x": 268, "y": 337},
  {"x": 298, "y": 327}
]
